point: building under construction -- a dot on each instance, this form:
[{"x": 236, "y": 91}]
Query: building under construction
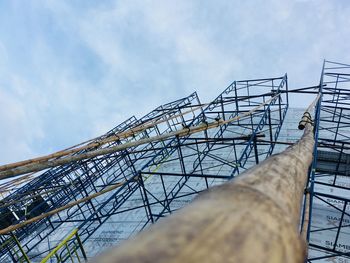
[{"x": 72, "y": 205}]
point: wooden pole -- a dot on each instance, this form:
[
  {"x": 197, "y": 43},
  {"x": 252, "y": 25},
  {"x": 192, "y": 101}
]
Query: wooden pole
[
  {"x": 98, "y": 142},
  {"x": 253, "y": 218},
  {"x": 39, "y": 166}
]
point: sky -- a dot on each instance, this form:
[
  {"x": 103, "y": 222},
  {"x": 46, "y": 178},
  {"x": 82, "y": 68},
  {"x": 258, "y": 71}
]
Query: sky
[{"x": 72, "y": 70}]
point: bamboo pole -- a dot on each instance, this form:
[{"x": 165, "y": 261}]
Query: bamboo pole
[
  {"x": 38, "y": 166},
  {"x": 253, "y": 218},
  {"x": 79, "y": 147}
]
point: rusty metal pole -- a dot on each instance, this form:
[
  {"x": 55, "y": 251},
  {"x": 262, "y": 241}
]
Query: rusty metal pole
[{"x": 253, "y": 218}]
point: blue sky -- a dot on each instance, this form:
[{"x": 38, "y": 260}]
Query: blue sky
[{"x": 71, "y": 70}]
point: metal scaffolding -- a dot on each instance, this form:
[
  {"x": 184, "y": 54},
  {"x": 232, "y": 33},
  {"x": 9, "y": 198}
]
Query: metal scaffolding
[
  {"x": 63, "y": 184},
  {"x": 147, "y": 168},
  {"x": 237, "y": 130},
  {"x": 329, "y": 184}
]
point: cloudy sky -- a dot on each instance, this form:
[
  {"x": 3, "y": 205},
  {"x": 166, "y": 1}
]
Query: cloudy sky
[{"x": 71, "y": 70}]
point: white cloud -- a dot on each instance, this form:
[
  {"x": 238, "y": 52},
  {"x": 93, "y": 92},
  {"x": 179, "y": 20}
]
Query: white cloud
[{"x": 17, "y": 126}]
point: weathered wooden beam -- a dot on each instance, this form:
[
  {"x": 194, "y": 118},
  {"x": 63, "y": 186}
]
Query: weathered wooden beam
[
  {"x": 253, "y": 218},
  {"x": 95, "y": 142},
  {"x": 37, "y": 166}
]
